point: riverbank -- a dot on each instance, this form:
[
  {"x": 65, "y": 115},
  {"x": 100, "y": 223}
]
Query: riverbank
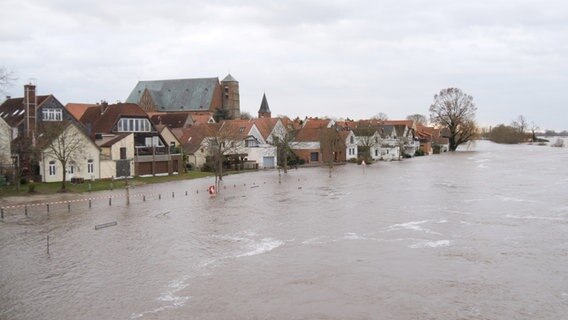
[{"x": 44, "y": 191}]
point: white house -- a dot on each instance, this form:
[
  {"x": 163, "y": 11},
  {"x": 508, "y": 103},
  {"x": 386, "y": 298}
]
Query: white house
[
  {"x": 351, "y": 149},
  {"x": 248, "y": 140},
  {"x": 116, "y": 149},
  {"x": 82, "y": 154},
  {"x": 5, "y": 141}
]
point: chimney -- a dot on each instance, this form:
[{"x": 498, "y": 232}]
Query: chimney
[
  {"x": 104, "y": 106},
  {"x": 30, "y": 106}
]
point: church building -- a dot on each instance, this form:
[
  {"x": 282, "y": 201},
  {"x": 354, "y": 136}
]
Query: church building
[{"x": 193, "y": 95}]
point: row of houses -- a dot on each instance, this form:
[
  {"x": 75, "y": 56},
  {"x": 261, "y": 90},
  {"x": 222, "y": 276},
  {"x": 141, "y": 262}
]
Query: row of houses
[{"x": 166, "y": 126}]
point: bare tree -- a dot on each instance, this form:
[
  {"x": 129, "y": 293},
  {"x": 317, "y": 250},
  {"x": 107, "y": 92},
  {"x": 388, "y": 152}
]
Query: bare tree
[
  {"x": 366, "y": 140},
  {"x": 330, "y": 145},
  {"x": 63, "y": 142},
  {"x": 380, "y": 116},
  {"x": 455, "y": 111},
  {"x": 222, "y": 140},
  {"x": 534, "y": 128},
  {"x": 418, "y": 118},
  {"x": 284, "y": 147},
  {"x": 521, "y": 124},
  {"x": 6, "y": 79},
  {"x": 245, "y": 115}
]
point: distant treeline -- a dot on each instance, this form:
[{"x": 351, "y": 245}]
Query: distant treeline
[
  {"x": 552, "y": 133},
  {"x": 507, "y": 134}
]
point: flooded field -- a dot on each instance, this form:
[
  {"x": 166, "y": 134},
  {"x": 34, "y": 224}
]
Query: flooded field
[{"x": 479, "y": 234}]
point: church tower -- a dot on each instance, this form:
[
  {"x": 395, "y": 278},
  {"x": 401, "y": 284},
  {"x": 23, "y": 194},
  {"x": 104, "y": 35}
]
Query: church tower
[
  {"x": 264, "y": 111},
  {"x": 231, "y": 98}
]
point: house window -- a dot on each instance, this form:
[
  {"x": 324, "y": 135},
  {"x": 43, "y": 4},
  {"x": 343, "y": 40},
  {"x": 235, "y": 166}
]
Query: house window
[
  {"x": 52, "y": 114},
  {"x": 133, "y": 125},
  {"x": 90, "y": 166},
  {"x": 51, "y": 168},
  {"x": 71, "y": 169},
  {"x": 376, "y": 153},
  {"x": 314, "y": 156},
  {"x": 122, "y": 153},
  {"x": 351, "y": 140}
]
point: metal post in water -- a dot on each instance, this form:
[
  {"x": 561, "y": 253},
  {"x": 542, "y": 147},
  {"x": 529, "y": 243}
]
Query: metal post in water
[
  {"x": 47, "y": 244},
  {"x": 143, "y": 198},
  {"x": 47, "y": 205},
  {"x": 173, "y": 196},
  {"x": 68, "y": 206},
  {"x": 186, "y": 192},
  {"x": 159, "y": 196},
  {"x": 26, "y": 210},
  {"x": 89, "y": 203},
  {"x": 109, "y": 201},
  {"x": 2, "y": 213}
]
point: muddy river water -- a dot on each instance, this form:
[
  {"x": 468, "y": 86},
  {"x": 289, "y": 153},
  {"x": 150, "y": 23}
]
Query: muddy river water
[{"x": 479, "y": 234}]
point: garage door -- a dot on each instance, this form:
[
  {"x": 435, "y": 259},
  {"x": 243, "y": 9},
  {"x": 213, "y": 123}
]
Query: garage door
[{"x": 268, "y": 162}]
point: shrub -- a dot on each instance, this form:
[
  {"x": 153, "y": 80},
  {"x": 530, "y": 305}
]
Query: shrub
[
  {"x": 419, "y": 153},
  {"x": 31, "y": 186}
]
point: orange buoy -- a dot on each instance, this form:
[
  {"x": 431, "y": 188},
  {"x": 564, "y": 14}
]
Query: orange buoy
[{"x": 211, "y": 190}]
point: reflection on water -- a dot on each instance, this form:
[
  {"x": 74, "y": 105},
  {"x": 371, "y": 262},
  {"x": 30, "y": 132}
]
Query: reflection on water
[{"x": 479, "y": 234}]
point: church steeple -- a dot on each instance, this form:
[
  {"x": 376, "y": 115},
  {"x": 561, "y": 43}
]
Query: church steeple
[{"x": 264, "y": 111}]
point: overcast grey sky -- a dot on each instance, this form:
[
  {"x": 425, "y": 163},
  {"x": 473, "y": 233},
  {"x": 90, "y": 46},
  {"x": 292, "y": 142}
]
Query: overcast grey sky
[{"x": 317, "y": 58}]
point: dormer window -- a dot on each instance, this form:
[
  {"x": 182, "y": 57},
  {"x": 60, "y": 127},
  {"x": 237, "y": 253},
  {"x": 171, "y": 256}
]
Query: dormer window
[
  {"x": 52, "y": 114},
  {"x": 242, "y": 129},
  {"x": 133, "y": 125}
]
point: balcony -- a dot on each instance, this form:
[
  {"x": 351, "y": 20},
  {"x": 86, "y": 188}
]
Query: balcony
[{"x": 150, "y": 154}]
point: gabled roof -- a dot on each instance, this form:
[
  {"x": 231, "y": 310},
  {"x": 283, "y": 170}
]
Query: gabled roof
[
  {"x": 191, "y": 138},
  {"x": 13, "y": 110},
  {"x": 386, "y": 130},
  {"x": 264, "y": 105},
  {"x": 239, "y": 129},
  {"x": 171, "y": 119},
  {"x": 265, "y": 125},
  {"x": 344, "y": 134},
  {"x": 105, "y": 122},
  {"x": 177, "y": 95},
  {"x": 202, "y": 118},
  {"x": 316, "y": 123},
  {"x": 78, "y": 109},
  {"x": 308, "y": 135},
  {"x": 52, "y": 130}
]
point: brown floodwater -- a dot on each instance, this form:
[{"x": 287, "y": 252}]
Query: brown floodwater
[{"x": 478, "y": 234}]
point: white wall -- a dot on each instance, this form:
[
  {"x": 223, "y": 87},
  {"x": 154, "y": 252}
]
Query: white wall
[
  {"x": 79, "y": 160},
  {"x": 5, "y": 140}
]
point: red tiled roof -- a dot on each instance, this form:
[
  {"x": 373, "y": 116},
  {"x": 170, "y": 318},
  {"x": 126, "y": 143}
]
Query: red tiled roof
[
  {"x": 78, "y": 109},
  {"x": 237, "y": 129},
  {"x": 316, "y": 123},
  {"x": 192, "y": 137},
  {"x": 105, "y": 122},
  {"x": 265, "y": 125},
  {"x": 201, "y": 118},
  {"x": 170, "y": 119},
  {"x": 308, "y": 135}
]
